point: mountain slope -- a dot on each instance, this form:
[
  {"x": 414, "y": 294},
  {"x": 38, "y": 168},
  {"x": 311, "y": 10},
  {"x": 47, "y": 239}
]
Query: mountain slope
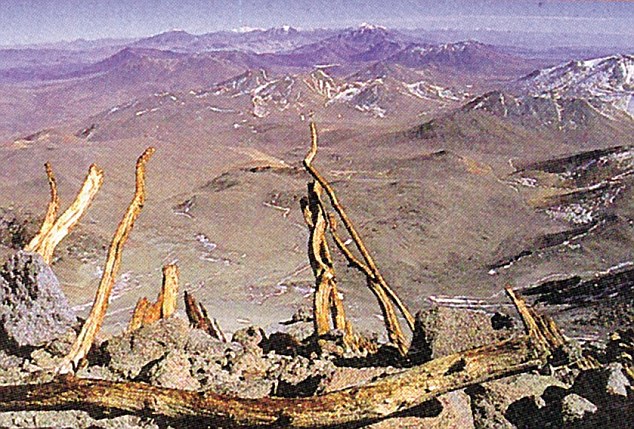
[{"x": 466, "y": 57}]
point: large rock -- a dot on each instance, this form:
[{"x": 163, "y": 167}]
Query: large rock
[
  {"x": 129, "y": 353},
  {"x": 33, "y": 308},
  {"x": 441, "y": 331}
]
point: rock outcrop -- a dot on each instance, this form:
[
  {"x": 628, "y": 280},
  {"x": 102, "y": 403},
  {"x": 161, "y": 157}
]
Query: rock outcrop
[{"x": 33, "y": 308}]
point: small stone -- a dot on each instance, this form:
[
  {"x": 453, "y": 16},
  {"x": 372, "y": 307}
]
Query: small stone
[
  {"x": 513, "y": 388},
  {"x": 11, "y": 369},
  {"x": 252, "y": 389},
  {"x": 44, "y": 359},
  {"x": 250, "y": 338},
  {"x": 300, "y": 376},
  {"x": 71, "y": 419},
  {"x": 281, "y": 343},
  {"x": 575, "y": 407},
  {"x": 303, "y": 314},
  {"x": 249, "y": 365},
  {"x": 97, "y": 372},
  {"x": 61, "y": 346},
  {"x": 301, "y": 330},
  {"x": 201, "y": 343},
  {"x": 488, "y": 408},
  {"x": 602, "y": 385},
  {"x": 33, "y": 308}
]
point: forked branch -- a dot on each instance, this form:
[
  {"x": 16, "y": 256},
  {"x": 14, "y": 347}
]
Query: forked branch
[
  {"x": 396, "y": 335},
  {"x": 54, "y": 231},
  {"x": 113, "y": 261}
]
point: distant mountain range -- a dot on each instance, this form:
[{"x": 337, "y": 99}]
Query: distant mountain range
[
  {"x": 370, "y": 70},
  {"x": 283, "y": 48},
  {"x": 581, "y": 104},
  {"x": 258, "y": 41}
]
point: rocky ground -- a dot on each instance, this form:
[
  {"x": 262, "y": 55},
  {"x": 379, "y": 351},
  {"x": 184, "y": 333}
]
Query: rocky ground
[{"x": 255, "y": 364}]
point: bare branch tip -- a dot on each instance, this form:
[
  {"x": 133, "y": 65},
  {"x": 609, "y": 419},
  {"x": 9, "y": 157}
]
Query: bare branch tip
[
  {"x": 313, "y": 145},
  {"x": 145, "y": 156}
]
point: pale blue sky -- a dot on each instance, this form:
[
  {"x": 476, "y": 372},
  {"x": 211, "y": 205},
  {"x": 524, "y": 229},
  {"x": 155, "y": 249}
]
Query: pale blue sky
[{"x": 34, "y": 21}]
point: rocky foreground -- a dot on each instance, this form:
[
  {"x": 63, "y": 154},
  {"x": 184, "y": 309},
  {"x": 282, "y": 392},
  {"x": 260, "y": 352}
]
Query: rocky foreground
[{"x": 37, "y": 328}]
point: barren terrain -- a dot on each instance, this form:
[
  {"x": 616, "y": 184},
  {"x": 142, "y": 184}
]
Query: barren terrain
[{"x": 455, "y": 194}]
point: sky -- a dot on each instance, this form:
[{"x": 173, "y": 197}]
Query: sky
[{"x": 37, "y": 21}]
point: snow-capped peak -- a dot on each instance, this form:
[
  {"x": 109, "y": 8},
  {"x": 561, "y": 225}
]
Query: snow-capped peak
[
  {"x": 370, "y": 27},
  {"x": 459, "y": 46},
  {"x": 607, "y": 79},
  {"x": 247, "y": 29},
  {"x": 613, "y": 73}
]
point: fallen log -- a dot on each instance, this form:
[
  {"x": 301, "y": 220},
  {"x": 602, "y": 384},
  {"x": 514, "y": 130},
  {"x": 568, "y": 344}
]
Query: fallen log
[
  {"x": 91, "y": 326},
  {"x": 356, "y": 405}
]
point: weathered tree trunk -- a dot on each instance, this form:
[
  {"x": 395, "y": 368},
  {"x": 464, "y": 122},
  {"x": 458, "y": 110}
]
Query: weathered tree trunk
[
  {"x": 198, "y": 317},
  {"x": 359, "y": 404},
  {"x": 327, "y": 305},
  {"x": 377, "y": 284},
  {"x": 113, "y": 261},
  {"x": 51, "y": 212},
  {"x": 146, "y": 312}
]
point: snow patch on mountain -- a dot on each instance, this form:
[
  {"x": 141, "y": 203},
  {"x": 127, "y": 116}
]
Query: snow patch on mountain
[
  {"x": 426, "y": 90},
  {"x": 323, "y": 84},
  {"x": 277, "y": 92}
]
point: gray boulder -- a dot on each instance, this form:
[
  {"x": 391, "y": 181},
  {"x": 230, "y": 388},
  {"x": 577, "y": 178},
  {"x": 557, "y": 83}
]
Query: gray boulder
[
  {"x": 441, "y": 331},
  {"x": 33, "y": 308},
  {"x": 127, "y": 354},
  {"x": 173, "y": 371}
]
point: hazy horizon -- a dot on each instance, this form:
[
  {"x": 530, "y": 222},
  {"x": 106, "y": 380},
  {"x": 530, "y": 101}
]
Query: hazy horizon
[{"x": 33, "y": 22}]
